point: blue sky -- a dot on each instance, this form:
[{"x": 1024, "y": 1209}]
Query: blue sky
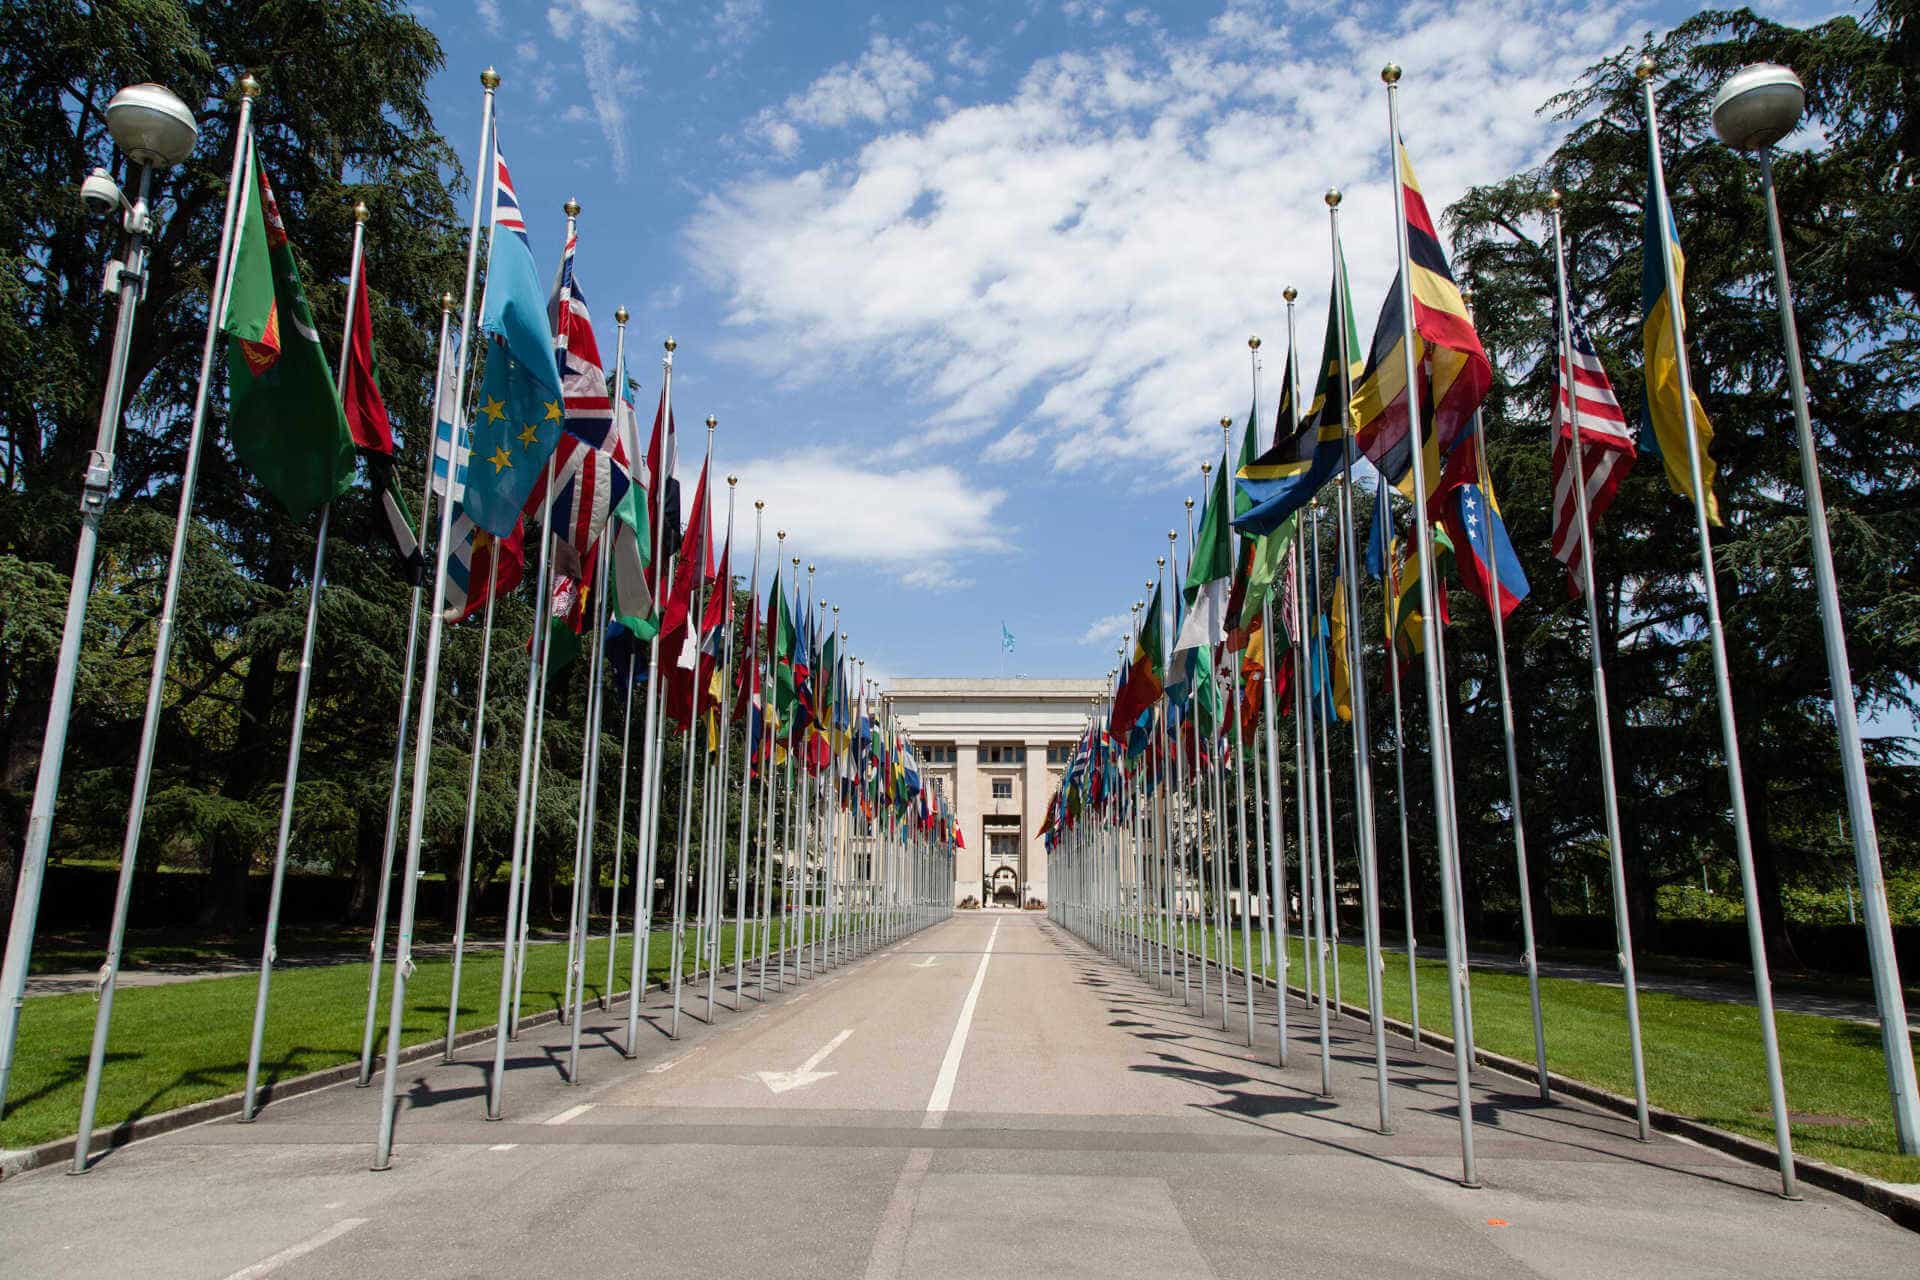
[{"x": 969, "y": 287}]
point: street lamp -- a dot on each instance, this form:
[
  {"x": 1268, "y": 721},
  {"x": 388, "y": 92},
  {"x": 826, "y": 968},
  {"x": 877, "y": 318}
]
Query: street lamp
[
  {"x": 1755, "y": 108},
  {"x": 156, "y": 131}
]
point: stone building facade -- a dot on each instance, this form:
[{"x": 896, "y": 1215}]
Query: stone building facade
[{"x": 997, "y": 747}]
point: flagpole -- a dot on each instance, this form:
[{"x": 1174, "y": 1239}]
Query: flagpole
[
  {"x": 695, "y": 621},
  {"x": 1323, "y": 710},
  {"x": 33, "y": 860},
  {"x": 1240, "y": 774},
  {"x": 1276, "y": 809},
  {"x": 647, "y": 834},
  {"x": 377, "y": 944},
  {"x": 750, "y": 674},
  {"x": 1307, "y": 702},
  {"x": 769, "y": 734},
  {"x": 1193, "y": 721},
  {"x": 635, "y": 461},
  {"x": 473, "y": 796},
  {"x": 409, "y": 884},
  {"x": 726, "y": 742},
  {"x": 1356, "y": 660},
  {"x": 1389, "y": 606},
  {"x": 1530, "y": 955},
  {"x": 590, "y": 798},
  {"x": 1449, "y": 904},
  {"x": 249, "y": 1103},
  {"x": 576, "y": 923},
  {"x": 1259, "y": 785},
  {"x": 526, "y": 797}
]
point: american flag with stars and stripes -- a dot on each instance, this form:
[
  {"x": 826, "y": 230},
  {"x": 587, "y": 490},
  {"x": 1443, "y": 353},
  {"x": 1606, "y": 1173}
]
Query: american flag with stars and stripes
[{"x": 1607, "y": 450}]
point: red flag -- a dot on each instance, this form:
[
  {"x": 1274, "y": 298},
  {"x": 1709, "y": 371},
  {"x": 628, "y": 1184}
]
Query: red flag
[{"x": 360, "y": 394}]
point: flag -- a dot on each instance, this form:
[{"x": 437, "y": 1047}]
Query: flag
[
  {"x": 284, "y": 412},
  {"x": 1663, "y": 326},
  {"x": 662, "y": 487},
  {"x": 1480, "y": 545},
  {"x": 1006, "y": 639},
  {"x": 471, "y": 554},
  {"x": 372, "y": 432},
  {"x": 1284, "y": 478},
  {"x": 1607, "y": 449},
  {"x": 449, "y": 456},
  {"x": 520, "y": 417},
  {"x": 587, "y": 404},
  {"x": 1210, "y": 574},
  {"x": 1337, "y": 638},
  {"x": 1146, "y": 673},
  {"x": 1380, "y": 531},
  {"x": 1404, "y": 618},
  {"x": 1453, "y": 368}
]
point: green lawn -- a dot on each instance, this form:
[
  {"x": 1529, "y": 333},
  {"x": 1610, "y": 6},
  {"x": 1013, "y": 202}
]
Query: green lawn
[
  {"x": 1703, "y": 1057},
  {"x": 187, "y": 1041}
]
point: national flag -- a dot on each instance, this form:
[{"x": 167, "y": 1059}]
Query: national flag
[
  {"x": 1337, "y": 637},
  {"x": 576, "y": 355},
  {"x": 1146, "y": 672},
  {"x": 1006, "y": 639},
  {"x": 1284, "y": 478},
  {"x": 471, "y": 555},
  {"x": 1404, "y": 618},
  {"x": 372, "y": 432},
  {"x": 663, "y": 487},
  {"x": 1481, "y": 545},
  {"x": 1663, "y": 328},
  {"x": 449, "y": 456},
  {"x": 1453, "y": 367},
  {"x": 1210, "y": 573},
  {"x": 1259, "y": 554},
  {"x": 284, "y": 413},
  {"x": 520, "y": 415},
  {"x": 1607, "y": 449},
  {"x": 1380, "y": 531}
]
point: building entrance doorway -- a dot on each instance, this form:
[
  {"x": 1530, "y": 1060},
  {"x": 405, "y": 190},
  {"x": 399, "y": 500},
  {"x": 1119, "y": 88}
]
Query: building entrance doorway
[{"x": 1005, "y": 874}]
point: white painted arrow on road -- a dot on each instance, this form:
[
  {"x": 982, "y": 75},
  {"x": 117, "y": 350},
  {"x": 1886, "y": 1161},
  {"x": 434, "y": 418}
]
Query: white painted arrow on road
[
  {"x": 928, "y": 963},
  {"x": 781, "y": 1081}
]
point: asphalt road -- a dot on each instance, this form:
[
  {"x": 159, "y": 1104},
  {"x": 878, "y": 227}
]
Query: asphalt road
[{"x": 987, "y": 1098}]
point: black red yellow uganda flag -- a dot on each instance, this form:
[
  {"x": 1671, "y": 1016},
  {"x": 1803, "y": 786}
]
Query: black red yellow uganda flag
[{"x": 1452, "y": 365}]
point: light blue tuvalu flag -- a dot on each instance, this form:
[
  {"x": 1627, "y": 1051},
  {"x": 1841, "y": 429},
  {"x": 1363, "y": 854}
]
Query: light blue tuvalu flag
[
  {"x": 521, "y": 411},
  {"x": 1006, "y": 639}
]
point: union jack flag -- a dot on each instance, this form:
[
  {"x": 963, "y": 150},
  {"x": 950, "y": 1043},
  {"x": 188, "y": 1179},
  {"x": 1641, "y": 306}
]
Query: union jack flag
[
  {"x": 583, "y": 379},
  {"x": 506, "y": 205},
  {"x": 1607, "y": 449}
]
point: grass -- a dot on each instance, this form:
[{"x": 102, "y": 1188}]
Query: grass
[
  {"x": 187, "y": 1041},
  {"x": 1703, "y": 1057}
]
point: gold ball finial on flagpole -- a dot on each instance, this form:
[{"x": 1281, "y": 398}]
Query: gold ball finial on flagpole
[
  {"x": 1332, "y": 197},
  {"x": 1206, "y": 469},
  {"x": 759, "y": 504},
  {"x": 810, "y": 567},
  {"x": 671, "y": 346},
  {"x": 732, "y": 481},
  {"x": 1226, "y": 423},
  {"x": 1190, "y": 500},
  {"x": 796, "y": 562},
  {"x": 248, "y": 86},
  {"x": 1160, "y": 561},
  {"x": 781, "y": 534},
  {"x": 1390, "y": 73},
  {"x": 490, "y": 78},
  {"x": 1466, "y": 294},
  {"x": 1253, "y": 342},
  {"x": 360, "y": 211},
  {"x": 1171, "y": 535},
  {"x": 446, "y": 302},
  {"x": 571, "y": 208},
  {"x": 1645, "y": 68},
  {"x": 619, "y": 315},
  {"x": 1290, "y": 293},
  {"x": 712, "y": 422}
]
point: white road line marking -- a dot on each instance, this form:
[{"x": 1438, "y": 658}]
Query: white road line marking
[
  {"x": 950, "y": 1065},
  {"x": 781, "y": 1081},
  {"x": 889, "y": 1254},
  {"x": 503, "y": 1146},
  {"x": 571, "y": 1113},
  {"x": 267, "y": 1266}
]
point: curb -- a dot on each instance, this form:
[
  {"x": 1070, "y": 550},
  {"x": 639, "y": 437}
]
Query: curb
[
  {"x": 59, "y": 1150},
  {"x": 1891, "y": 1200}
]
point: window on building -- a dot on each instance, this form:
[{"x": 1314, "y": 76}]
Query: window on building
[
  {"x": 1003, "y": 788},
  {"x": 1060, "y": 753},
  {"x": 1003, "y": 753}
]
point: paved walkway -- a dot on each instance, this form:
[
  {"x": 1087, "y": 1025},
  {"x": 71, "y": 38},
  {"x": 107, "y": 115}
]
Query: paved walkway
[{"x": 988, "y": 1098}]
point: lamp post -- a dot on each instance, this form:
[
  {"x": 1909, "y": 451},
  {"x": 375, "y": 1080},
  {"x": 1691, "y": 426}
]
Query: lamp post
[
  {"x": 156, "y": 131},
  {"x": 1757, "y": 106}
]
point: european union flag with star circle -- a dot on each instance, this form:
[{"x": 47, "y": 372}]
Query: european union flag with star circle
[{"x": 519, "y": 417}]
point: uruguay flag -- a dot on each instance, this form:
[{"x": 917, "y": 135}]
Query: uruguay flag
[
  {"x": 1480, "y": 544},
  {"x": 520, "y": 416}
]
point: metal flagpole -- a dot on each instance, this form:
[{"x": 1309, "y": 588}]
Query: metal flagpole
[
  {"x": 1240, "y": 786},
  {"x": 769, "y": 733},
  {"x": 590, "y": 797},
  {"x": 409, "y": 884},
  {"x": 652, "y": 733},
  {"x": 1329, "y": 863},
  {"x": 576, "y": 921},
  {"x": 830, "y": 803},
  {"x": 726, "y": 741},
  {"x": 544, "y": 627},
  {"x": 1314, "y": 878},
  {"x": 376, "y": 947},
  {"x": 695, "y": 620},
  {"x": 1449, "y": 904},
  {"x": 473, "y": 795},
  {"x": 1389, "y": 595},
  {"x": 1276, "y": 811},
  {"x": 1199, "y": 810},
  {"x": 132, "y": 280},
  {"x": 1357, "y": 672},
  {"x": 1259, "y": 784},
  {"x": 1529, "y": 955},
  {"x": 249, "y": 1103},
  {"x": 749, "y": 674},
  {"x": 623, "y": 417}
]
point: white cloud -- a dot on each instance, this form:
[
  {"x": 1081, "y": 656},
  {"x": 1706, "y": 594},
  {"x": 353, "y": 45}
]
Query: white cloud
[
  {"x": 488, "y": 11},
  {"x": 601, "y": 26},
  {"x": 1073, "y": 270},
  {"x": 737, "y": 21},
  {"x": 914, "y": 522},
  {"x": 1109, "y": 631},
  {"x": 876, "y": 89}
]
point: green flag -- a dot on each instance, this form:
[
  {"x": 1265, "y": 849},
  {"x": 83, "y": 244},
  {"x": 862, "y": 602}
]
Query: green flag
[
  {"x": 785, "y": 700},
  {"x": 284, "y": 411}
]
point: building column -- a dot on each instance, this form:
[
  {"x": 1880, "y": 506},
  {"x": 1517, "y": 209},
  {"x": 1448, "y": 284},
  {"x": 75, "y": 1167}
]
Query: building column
[{"x": 1037, "y": 789}]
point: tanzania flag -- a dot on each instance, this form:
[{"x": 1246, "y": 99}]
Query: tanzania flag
[
  {"x": 1210, "y": 574},
  {"x": 1146, "y": 674},
  {"x": 1662, "y": 332},
  {"x": 284, "y": 411},
  {"x": 1447, "y": 351},
  {"x": 1404, "y": 619}
]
